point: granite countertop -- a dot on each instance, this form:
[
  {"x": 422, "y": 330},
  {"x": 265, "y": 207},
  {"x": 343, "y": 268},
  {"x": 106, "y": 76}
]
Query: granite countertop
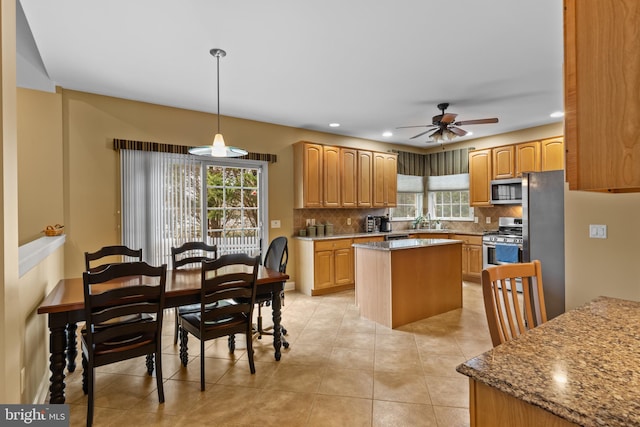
[
  {"x": 583, "y": 366},
  {"x": 391, "y": 233},
  {"x": 392, "y": 245}
]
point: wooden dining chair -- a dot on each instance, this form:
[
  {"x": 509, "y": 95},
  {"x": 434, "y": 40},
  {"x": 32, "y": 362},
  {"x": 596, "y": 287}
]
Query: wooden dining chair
[
  {"x": 276, "y": 259},
  {"x": 230, "y": 277},
  {"x": 511, "y": 313},
  {"x": 106, "y": 339},
  {"x": 116, "y": 253},
  {"x": 190, "y": 254}
]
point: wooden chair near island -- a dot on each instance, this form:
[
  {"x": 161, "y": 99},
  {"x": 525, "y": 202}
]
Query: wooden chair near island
[
  {"x": 106, "y": 338},
  {"x": 215, "y": 319},
  {"x": 509, "y": 313},
  {"x": 190, "y": 254}
]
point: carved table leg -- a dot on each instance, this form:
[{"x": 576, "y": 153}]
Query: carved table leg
[
  {"x": 276, "y": 304},
  {"x": 57, "y": 346},
  {"x": 150, "y": 364},
  {"x": 184, "y": 337},
  {"x": 72, "y": 346}
]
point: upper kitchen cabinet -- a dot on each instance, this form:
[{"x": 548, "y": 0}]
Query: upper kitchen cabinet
[
  {"x": 602, "y": 94},
  {"x": 308, "y": 175},
  {"x": 331, "y": 176},
  {"x": 349, "y": 177},
  {"x": 503, "y": 162},
  {"x": 527, "y": 157},
  {"x": 365, "y": 179},
  {"x": 385, "y": 179},
  {"x": 552, "y": 154},
  {"x": 480, "y": 177}
]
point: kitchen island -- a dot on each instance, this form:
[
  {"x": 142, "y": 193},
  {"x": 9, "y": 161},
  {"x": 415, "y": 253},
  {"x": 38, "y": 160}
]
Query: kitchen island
[
  {"x": 402, "y": 281},
  {"x": 580, "y": 368}
]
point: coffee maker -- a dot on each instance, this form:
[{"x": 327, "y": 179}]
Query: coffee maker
[{"x": 385, "y": 224}]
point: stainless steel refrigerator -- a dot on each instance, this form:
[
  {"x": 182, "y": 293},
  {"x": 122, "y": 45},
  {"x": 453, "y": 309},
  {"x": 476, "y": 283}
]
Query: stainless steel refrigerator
[{"x": 543, "y": 232}]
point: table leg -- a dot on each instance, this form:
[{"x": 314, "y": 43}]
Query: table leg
[
  {"x": 57, "y": 346},
  {"x": 276, "y": 306},
  {"x": 72, "y": 346}
]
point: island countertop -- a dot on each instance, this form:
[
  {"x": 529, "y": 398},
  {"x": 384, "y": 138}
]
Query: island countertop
[
  {"x": 392, "y": 245},
  {"x": 583, "y": 366}
]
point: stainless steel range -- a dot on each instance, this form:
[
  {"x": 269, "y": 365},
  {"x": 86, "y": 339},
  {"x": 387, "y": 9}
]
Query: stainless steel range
[{"x": 503, "y": 246}]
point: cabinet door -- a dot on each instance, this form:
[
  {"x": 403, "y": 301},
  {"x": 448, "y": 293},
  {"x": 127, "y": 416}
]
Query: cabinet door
[
  {"x": 323, "y": 269},
  {"x": 474, "y": 255},
  {"x": 552, "y": 157},
  {"x": 480, "y": 178},
  {"x": 348, "y": 177},
  {"x": 385, "y": 179},
  {"x": 365, "y": 178},
  {"x": 331, "y": 179},
  {"x": 312, "y": 175},
  {"x": 343, "y": 260},
  {"x": 527, "y": 157},
  {"x": 503, "y": 162},
  {"x": 602, "y": 111}
]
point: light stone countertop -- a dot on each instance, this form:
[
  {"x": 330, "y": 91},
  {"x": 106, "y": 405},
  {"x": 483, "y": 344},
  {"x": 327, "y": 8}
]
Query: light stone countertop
[
  {"x": 391, "y": 233},
  {"x": 583, "y": 366},
  {"x": 393, "y": 245}
]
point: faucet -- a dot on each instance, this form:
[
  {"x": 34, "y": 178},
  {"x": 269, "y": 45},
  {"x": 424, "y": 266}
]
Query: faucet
[{"x": 428, "y": 220}]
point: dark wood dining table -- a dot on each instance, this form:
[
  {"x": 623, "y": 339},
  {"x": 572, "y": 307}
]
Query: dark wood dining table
[{"x": 64, "y": 306}]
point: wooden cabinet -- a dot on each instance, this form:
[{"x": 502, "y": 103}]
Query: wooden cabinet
[
  {"x": 333, "y": 263},
  {"x": 480, "y": 178},
  {"x": 385, "y": 179},
  {"x": 308, "y": 175},
  {"x": 348, "y": 178},
  {"x": 503, "y": 162},
  {"x": 471, "y": 256},
  {"x": 527, "y": 157},
  {"x": 552, "y": 154},
  {"x": 602, "y": 94},
  {"x": 331, "y": 176},
  {"x": 365, "y": 179}
]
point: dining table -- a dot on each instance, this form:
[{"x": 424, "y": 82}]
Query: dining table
[{"x": 64, "y": 307}]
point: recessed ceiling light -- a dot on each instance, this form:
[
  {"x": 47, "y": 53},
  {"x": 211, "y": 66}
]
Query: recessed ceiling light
[
  {"x": 387, "y": 134},
  {"x": 556, "y": 114},
  {"x": 334, "y": 125}
]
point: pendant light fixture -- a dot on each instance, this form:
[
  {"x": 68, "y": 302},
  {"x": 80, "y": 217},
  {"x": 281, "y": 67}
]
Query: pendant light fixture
[{"x": 218, "y": 147}]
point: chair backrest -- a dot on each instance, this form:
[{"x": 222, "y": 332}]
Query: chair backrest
[
  {"x": 277, "y": 255},
  {"x": 192, "y": 252},
  {"x": 141, "y": 292},
  {"x": 110, "y": 251},
  {"x": 510, "y": 313},
  {"x": 230, "y": 277}
]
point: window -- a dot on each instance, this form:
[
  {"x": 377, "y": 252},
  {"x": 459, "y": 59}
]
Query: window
[
  {"x": 165, "y": 203},
  {"x": 448, "y": 197},
  {"x": 409, "y": 199}
]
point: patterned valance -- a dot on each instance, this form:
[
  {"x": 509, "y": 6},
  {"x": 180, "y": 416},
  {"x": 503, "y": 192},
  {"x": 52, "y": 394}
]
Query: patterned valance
[
  {"x": 124, "y": 144},
  {"x": 434, "y": 164}
]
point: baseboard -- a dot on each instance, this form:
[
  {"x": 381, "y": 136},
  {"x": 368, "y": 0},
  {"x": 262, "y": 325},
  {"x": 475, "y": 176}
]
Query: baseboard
[{"x": 290, "y": 286}]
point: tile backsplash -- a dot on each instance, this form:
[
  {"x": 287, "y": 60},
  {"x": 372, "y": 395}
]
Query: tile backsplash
[{"x": 340, "y": 218}]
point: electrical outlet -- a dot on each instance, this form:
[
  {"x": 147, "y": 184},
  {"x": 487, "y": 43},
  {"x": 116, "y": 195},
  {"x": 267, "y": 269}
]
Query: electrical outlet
[
  {"x": 488, "y": 220},
  {"x": 475, "y": 219},
  {"x": 597, "y": 231},
  {"x": 348, "y": 221},
  {"x": 275, "y": 223}
]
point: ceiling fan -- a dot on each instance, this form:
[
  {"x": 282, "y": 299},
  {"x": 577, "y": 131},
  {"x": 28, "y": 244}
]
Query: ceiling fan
[{"x": 445, "y": 126}]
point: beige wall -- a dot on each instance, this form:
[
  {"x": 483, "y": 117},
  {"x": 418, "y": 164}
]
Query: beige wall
[{"x": 91, "y": 176}]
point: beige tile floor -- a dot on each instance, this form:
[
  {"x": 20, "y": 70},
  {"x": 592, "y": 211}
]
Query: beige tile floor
[{"x": 340, "y": 370}]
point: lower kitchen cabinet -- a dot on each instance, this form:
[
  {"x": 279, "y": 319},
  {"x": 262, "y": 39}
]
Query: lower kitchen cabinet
[{"x": 471, "y": 256}]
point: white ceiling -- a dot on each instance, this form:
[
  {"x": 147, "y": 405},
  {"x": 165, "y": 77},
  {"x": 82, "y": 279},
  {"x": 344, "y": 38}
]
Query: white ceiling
[{"x": 370, "y": 65}]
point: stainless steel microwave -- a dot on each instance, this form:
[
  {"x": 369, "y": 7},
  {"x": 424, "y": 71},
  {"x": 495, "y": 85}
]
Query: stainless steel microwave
[{"x": 506, "y": 191}]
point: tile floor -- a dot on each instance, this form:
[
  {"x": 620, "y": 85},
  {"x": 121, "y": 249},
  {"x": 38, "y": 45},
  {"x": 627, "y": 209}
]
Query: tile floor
[{"x": 341, "y": 370}]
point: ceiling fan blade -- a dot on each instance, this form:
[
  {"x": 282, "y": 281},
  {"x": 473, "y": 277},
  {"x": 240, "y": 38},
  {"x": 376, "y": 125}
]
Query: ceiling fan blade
[
  {"x": 419, "y": 126},
  {"x": 448, "y": 118},
  {"x": 420, "y": 134},
  {"x": 476, "y": 122},
  {"x": 458, "y": 131}
]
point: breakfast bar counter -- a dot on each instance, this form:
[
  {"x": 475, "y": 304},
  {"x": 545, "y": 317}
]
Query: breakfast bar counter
[
  {"x": 580, "y": 368},
  {"x": 402, "y": 281}
]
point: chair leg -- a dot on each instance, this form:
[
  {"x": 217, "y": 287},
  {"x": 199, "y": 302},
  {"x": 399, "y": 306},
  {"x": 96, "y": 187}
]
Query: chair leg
[
  {"x": 150, "y": 364},
  {"x": 201, "y": 365},
  {"x": 249, "y": 336},
  {"x": 90, "y": 387},
  {"x": 184, "y": 357},
  {"x": 177, "y": 327},
  {"x": 159, "y": 383}
]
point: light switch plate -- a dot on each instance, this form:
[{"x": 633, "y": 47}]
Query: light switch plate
[
  {"x": 488, "y": 220},
  {"x": 275, "y": 223},
  {"x": 597, "y": 231}
]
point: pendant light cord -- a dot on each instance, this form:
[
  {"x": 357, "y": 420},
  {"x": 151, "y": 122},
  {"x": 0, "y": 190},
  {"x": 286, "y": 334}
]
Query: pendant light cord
[{"x": 218, "y": 88}]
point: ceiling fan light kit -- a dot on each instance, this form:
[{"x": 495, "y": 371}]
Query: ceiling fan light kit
[
  {"x": 218, "y": 148},
  {"x": 446, "y": 126}
]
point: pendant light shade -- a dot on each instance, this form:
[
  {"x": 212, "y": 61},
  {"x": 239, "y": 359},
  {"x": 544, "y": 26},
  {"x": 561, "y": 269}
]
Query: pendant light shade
[{"x": 218, "y": 148}]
